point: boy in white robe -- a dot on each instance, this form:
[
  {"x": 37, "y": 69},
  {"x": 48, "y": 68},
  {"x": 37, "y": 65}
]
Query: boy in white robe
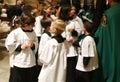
[
  {"x": 54, "y": 55},
  {"x": 46, "y": 22},
  {"x": 88, "y": 58},
  {"x": 22, "y": 45}
]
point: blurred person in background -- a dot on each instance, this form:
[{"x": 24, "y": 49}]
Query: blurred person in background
[{"x": 73, "y": 29}]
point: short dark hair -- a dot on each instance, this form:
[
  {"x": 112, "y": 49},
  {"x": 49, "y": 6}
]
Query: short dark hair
[
  {"x": 27, "y": 20},
  {"x": 45, "y": 22},
  {"x": 88, "y": 26}
]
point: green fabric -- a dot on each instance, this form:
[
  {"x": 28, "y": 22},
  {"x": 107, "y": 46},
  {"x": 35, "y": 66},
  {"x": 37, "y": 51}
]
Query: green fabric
[{"x": 108, "y": 47}]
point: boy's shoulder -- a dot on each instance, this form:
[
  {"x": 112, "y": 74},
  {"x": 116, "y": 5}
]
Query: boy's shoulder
[
  {"x": 16, "y": 30},
  {"x": 48, "y": 33},
  {"x": 89, "y": 38}
]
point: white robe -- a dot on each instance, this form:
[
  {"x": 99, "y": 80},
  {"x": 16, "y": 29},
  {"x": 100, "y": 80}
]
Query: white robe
[
  {"x": 44, "y": 38},
  {"x": 88, "y": 50},
  {"x": 77, "y": 25},
  {"x": 54, "y": 62},
  {"x": 24, "y": 58}
]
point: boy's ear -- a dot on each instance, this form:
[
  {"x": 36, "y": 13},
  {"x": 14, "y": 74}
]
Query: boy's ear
[{"x": 55, "y": 31}]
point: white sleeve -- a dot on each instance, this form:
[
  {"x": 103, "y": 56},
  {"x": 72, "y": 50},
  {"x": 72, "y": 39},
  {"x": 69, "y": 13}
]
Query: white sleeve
[
  {"x": 43, "y": 40},
  {"x": 11, "y": 43},
  {"x": 88, "y": 47},
  {"x": 78, "y": 26},
  {"x": 47, "y": 54}
]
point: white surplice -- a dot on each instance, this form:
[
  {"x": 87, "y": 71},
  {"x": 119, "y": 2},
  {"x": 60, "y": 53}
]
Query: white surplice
[
  {"x": 53, "y": 57},
  {"x": 24, "y": 58}
]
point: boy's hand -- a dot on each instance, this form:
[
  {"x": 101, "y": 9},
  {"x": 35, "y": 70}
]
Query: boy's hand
[
  {"x": 70, "y": 30},
  {"x": 71, "y": 40},
  {"x": 24, "y": 46},
  {"x": 29, "y": 44}
]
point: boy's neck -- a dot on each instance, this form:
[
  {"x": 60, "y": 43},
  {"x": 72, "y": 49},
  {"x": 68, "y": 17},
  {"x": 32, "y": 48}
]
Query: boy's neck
[{"x": 87, "y": 33}]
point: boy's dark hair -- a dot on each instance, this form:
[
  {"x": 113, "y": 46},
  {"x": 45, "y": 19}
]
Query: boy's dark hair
[
  {"x": 45, "y": 22},
  {"x": 27, "y": 20},
  {"x": 88, "y": 26}
]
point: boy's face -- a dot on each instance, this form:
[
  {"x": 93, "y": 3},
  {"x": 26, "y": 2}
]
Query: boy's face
[
  {"x": 72, "y": 11},
  {"x": 29, "y": 27},
  {"x": 53, "y": 30},
  {"x": 49, "y": 10},
  {"x": 84, "y": 29}
]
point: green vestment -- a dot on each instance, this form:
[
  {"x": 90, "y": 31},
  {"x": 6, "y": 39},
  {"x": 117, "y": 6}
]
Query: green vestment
[{"x": 108, "y": 46}]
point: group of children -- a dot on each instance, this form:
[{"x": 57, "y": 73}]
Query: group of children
[{"x": 57, "y": 51}]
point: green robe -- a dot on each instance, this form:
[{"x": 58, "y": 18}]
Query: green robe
[{"x": 108, "y": 46}]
